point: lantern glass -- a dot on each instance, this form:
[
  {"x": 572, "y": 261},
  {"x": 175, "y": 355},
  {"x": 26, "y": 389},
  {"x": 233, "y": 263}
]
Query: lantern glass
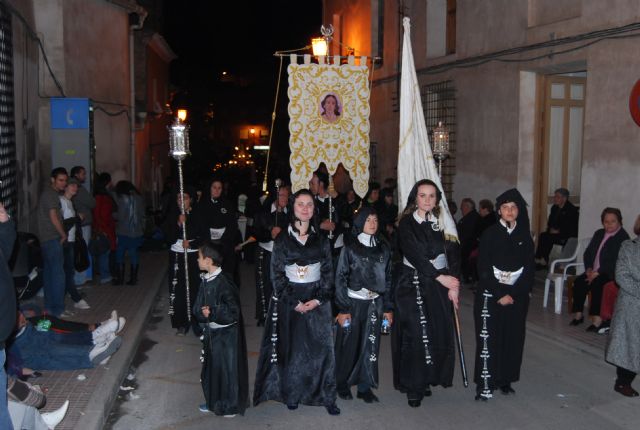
[
  {"x": 441, "y": 140},
  {"x": 319, "y": 46},
  {"x": 182, "y": 114},
  {"x": 178, "y": 140}
]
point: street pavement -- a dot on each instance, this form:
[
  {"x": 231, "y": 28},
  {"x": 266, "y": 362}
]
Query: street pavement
[{"x": 565, "y": 384}]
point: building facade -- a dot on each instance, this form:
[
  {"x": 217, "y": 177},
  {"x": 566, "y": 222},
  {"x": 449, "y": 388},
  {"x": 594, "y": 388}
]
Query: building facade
[{"x": 535, "y": 94}]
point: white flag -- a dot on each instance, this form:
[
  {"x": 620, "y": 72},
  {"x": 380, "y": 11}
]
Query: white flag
[{"x": 415, "y": 159}]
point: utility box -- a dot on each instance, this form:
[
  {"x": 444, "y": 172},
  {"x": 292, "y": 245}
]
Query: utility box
[{"x": 71, "y": 132}]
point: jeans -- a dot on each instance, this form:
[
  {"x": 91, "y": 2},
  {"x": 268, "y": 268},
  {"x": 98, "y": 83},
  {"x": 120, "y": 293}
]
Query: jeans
[
  {"x": 70, "y": 271},
  {"x": 128, "y": 244},
  {"x": 46, "y": 350},
  {"x": 5, "y": 419},
  {"x": 25, "y": 417},
  {"x": 53, "y": 276},
  {"x": 87, "y": 275},
  {"x": 103, "y": 265}
]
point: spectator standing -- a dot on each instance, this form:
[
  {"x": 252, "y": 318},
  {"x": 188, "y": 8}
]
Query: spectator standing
[
  {"x": 71, "y": 218},
  {"x": 129, "y": 230},
  {"x": 52, "y": 237},
  {"x": 104, "y": 224},
  {"x": 84, "y": 204},
  {"x": 467, "y": 227},
  {"x": 623, "y": 349},
  {"x": 7, "y": 306}
]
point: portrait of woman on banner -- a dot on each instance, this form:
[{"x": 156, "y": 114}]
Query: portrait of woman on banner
[{"x": 330, "y": 108}]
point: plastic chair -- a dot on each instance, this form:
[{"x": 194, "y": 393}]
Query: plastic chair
[{"x": 558, "y": 279}]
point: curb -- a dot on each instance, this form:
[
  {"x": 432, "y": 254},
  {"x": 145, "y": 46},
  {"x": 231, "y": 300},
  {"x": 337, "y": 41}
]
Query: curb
[{"x": 102, "y": 400}]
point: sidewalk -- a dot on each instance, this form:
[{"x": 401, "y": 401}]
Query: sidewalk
[{"x": 92, "y": 398}]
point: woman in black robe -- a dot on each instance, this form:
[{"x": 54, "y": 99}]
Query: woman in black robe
[
  {"x": 363, "y": 297},
  {"x": 269, "y": 223},
  {"x": 218, "y": 223},
  {"x": 179, "y": 302},
  {"x": 297, "y": 363},
  {"x": 224, "y": 375},
  {"x": 506, "y": 270},
  {"x": 422, "y": 339}
]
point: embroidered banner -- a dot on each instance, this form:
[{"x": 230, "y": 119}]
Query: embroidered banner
[{"x": 329, "y": 121}]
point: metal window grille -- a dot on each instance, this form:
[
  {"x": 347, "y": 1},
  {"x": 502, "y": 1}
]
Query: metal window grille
[
  {"x": 439, "y": 104},
  {"x": 7, "y": 127}
]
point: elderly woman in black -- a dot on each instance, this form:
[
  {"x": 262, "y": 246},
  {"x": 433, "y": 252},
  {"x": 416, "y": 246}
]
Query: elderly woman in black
[
  {"x": 297, "y": 363},
  {"x": 423, "y": 339},
  {"x": 600, "y": 264},
  {"x": 506, "y": 268}
]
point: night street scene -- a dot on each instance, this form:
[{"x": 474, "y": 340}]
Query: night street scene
[{"x": 363, "y": 214}]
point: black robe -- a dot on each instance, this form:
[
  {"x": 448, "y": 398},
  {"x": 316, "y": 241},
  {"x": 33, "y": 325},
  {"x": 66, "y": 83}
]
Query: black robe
[
  {"x": 297, "y": 363},
  {"x": 423, "y": 354},
  {"x": 502, "y": 327},
  {"x": 358, "y": 348},
  {"x": 264, "y": 222},
  {"x": 224, "y": 375},
  {"x": 220, "y": 214},
  {"x": 322, "y": 213},
  {"x": 179, "y": 309}
]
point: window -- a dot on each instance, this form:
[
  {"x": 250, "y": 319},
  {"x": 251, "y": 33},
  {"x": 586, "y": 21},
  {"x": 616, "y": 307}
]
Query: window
[
  {"x": 377, "y": 30},
  {"x": 7, "y": 127},
  {"x": 439, "y": 104},
  {"x": 441, "y": 28}
]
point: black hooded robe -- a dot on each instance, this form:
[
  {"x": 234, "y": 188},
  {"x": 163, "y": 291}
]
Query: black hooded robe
[
  {"x": 358, "y": 348},
  {"x": 422, "y": 338},
  {"x": 500, "y": 330},
  {"x": 216, "y": 214},
  {"x": 297, "y": 363},
  {"x": 224, "y": 375}
]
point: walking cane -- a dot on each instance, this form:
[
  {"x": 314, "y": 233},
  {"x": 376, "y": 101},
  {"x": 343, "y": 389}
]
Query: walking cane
[{"x": 463, "y": 365}]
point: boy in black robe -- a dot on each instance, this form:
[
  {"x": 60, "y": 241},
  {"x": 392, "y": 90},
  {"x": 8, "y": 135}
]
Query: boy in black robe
[
  {"x": 224, "y": 362},
  {"x": 506, "y": 269}
]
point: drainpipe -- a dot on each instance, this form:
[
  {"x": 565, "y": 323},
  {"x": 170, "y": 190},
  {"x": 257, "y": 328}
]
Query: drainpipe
[{"x": 134, "y": 9}]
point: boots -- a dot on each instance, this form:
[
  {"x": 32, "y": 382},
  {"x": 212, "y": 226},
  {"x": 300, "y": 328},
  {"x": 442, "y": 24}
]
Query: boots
[
  {"x": 119, "y": 278},
  {"x": 133, "y": 280}
]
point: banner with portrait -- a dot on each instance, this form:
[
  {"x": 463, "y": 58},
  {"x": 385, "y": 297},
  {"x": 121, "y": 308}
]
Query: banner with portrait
[{"x": 329, "y": 121}]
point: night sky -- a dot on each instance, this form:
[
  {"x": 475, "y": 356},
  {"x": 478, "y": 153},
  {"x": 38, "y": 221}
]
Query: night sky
[{"x": 239, "y": 37}]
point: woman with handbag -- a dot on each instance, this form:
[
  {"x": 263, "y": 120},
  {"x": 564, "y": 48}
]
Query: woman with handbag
[{"x": 71, "y": 222}]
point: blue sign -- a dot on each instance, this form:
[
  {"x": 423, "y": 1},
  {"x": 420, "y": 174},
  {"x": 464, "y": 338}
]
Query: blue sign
[{"x": 69, "y": 113}]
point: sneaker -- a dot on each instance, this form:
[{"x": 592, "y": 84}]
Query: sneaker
[
  {"x": 52, "y": 419},
  {"x": 67, "y": 314},
  {"x": 82, "y": 304},
  {"x": 110, "y": 326},
  {"x": 229, "y": 416},
  {"x": 203, "y": 408},
  {"x": 100, "y": 352}
]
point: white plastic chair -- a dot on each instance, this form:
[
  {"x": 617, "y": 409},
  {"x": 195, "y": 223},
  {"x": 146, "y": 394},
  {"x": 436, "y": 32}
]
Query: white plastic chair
[{"x": 558, "y": 279}]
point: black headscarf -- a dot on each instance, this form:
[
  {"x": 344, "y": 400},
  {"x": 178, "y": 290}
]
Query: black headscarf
[
  {"x": 361, "y": 218},
  {"x": 514, "y": 196}
]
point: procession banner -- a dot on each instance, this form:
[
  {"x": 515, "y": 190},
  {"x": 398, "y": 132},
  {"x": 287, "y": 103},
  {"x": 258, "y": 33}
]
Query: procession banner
[{"x": 329, "y": 121}]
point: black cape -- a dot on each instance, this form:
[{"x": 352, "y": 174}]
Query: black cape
[
  {"x": 358, "y": 348},
  {"x": 423, "y": 354},
  {"x": 224, "y": 375},
  {"x": 220, "y": 214},
  {"x": 297, "y": 363}
]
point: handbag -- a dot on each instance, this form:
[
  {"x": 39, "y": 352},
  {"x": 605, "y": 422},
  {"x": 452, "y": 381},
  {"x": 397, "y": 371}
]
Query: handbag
[
  {"x": 99, "y": 244},
  {"x": 80, "y": 252}
]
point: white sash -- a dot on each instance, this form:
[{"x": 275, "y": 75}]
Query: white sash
[
  {"x": 216, "y": 233},
  {"x": 177, "y": 247},
  {"x": 303, "y": 274},
  {"x": 440, "y": 262},
  {"x": 362, "y": 294},
  {"x": 267, "y": 246},
  {"x": 507, "y": 278},
  {"x": 215, "y": 326}
]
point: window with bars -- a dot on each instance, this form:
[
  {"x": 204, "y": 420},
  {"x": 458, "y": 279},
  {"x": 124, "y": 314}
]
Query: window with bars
[
  {"x": 7, "y": 127},
  {"x": 439, "y": 104}
]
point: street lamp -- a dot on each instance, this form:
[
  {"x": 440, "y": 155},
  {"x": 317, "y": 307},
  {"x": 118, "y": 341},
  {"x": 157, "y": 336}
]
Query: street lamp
[
  {"x": 440, "y": 145},
  {"x": 179, "y": 149}
]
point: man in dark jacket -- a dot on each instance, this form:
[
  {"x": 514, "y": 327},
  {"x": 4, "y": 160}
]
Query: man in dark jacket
[
  {"x": 467, "y": 228},
  {"x": 561, "y": 225},
  {"x": 7, "y": 306}
]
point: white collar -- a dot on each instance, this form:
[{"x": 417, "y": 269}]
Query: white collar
[
  {"x": 275, "y": 208},
  {"x": 430, "y": 217},
  {"x": 322, "y": 199},
  {"x": 367, "y": 239},
  {"x": 297, "y": 235},
  {"x": 509, "y": 230},
  {"x": 209, "y": 276}
]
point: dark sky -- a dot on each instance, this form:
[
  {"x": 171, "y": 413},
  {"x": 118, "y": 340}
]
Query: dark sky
[{"x": 240, "y": 37}]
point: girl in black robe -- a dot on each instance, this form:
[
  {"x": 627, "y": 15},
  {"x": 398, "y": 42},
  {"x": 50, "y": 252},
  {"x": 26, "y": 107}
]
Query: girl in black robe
[
  {"x": 269, "y": 223},
  {"x": 218, "y": 223},
  {"x": 506, "y": 269},
  {"x": 179, "y": 302},
  {"x": 363, "y": 297},
  {"x": 224, "y": 375},
  {"x": 297, "y": 363},
  {"x": 422, "y": 339}
]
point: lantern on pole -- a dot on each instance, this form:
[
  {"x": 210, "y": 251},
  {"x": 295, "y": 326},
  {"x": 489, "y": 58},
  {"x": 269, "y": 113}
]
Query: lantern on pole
[
  {"x": 179, "y": 149},
  {"x": 440, "y": 145}
]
